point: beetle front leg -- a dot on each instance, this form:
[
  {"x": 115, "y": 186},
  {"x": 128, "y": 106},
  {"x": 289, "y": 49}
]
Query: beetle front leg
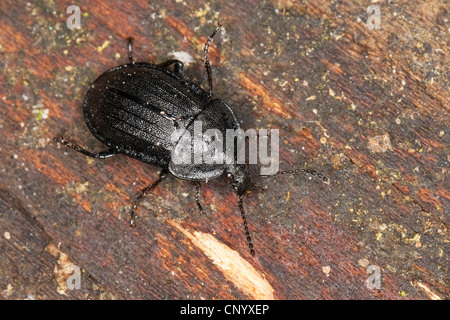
[
  {"x": 130, "y": 50},
  {"x": 99, "y": 155}
]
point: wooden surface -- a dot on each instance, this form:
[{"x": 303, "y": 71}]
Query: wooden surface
[{"x": 369, "y": 108}]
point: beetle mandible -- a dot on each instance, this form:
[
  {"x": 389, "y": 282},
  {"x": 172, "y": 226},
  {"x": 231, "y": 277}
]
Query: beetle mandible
[{"x": 134, "y": 109}]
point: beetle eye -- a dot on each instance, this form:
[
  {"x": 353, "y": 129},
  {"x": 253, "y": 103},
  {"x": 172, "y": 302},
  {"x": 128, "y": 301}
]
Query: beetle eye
[{"x": 230, "y": 177}]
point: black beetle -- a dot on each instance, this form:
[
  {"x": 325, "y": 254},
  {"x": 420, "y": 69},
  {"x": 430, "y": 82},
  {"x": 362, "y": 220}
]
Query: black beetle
[{"x": 135, "y": 108}]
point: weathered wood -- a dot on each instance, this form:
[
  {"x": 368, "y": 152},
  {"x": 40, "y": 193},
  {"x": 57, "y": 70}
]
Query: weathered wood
[{"x": 367, "y": 107}]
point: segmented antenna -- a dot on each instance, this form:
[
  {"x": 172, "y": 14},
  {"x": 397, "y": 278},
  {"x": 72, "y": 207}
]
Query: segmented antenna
[
  {"x": 313, "y": 172},
  {"x": 244, "y": 219},
  {"x": 205, "y": 58}
]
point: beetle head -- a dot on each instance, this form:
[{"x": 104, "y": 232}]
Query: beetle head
[{"x": 240, "y": 179}]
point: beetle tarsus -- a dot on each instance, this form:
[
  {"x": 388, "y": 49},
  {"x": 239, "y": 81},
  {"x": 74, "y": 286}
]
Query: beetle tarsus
[
  {"x": 99, "y": 155},
  {"x": 130, "y": 50}
]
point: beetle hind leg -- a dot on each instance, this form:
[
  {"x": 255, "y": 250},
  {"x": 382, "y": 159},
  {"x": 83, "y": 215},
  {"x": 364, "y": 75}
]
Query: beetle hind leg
[
  {"x": 99, "y": 155},
  {"x": 144, "y": 192}
]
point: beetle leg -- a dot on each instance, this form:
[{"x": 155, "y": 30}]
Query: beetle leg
[
  {"x": 100, "y": 155},
  {"x": 162, "y": 176},
  {"x": 205, "y": 58},
  {"x": 258, "y": 188},
  {"x": 130, "y": 50},
  {"x": 197, "y": 188},
  {"x": 177, "y": 68}
]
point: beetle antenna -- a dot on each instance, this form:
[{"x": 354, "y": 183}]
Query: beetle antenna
[
  {"x": 244, "y": 219},
  {"x": 205, "y": 58},
  {"x": 312, "y": 172}
]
